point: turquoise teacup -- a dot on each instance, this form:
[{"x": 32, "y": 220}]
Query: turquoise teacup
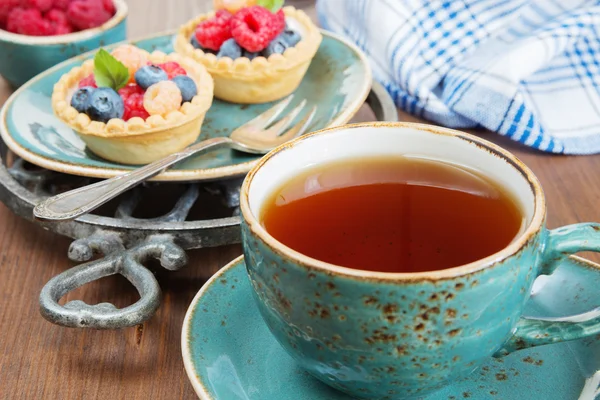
[{"x": 404, "y": 335}]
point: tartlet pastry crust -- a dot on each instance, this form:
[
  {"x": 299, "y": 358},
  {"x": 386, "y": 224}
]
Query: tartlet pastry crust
[
  {"x": 137, "y": 141},
  {"x": 259, "y": 80}
]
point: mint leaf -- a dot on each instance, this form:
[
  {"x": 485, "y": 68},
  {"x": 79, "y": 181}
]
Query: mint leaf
[
  {"x": 109, "y": 72},
  {"x": 272, "y": 5}
]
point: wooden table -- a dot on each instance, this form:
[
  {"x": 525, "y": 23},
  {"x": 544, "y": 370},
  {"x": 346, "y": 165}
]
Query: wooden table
[{"x": 39, "y": 360}]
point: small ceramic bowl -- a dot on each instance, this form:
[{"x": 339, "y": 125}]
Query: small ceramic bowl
[{"x": 24, "y": 56}]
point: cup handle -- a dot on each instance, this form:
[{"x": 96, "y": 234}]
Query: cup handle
[{"x": 531, "y": 332}]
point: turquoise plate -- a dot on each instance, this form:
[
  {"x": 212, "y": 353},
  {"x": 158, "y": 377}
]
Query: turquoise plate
[
  {"x": 230, "y": 354},
  {"x": 338, "y": 82}
]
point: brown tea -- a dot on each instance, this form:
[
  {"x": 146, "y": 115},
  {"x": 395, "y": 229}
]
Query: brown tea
[{"x": 392, "y": 214}]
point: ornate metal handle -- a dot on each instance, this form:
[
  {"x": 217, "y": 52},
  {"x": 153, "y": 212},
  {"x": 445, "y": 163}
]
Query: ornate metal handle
[
  {"x": 77, "y": 202},
  {"x": 77, "y": 314}
]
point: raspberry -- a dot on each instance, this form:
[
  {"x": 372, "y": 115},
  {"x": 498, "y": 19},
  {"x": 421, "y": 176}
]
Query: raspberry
[
  {"x": 57, "y": 17},
  {"x": 28, "y": 22},
  {"x": 278, "y": 22},
  {"x": 213, "y": 32},
  {"x": 61, "y": 4},
  {"x": 133, "y": 98},
  {"x": 129, "y": 89},
  {"x": 134, "y": 107},
  {"x": 88, "y": 81},
  {"x": 42, "y": 5},
  {"x": 255, "y": 27},
  {"x": 172, "y": 69},
  {"x": 223, "y": 15},
  {"x": 63, "y": 29},
  {"x": 132, "y": 57},
  {"x": 6, "y": 7},
  {"x": 86, "y": 14},
  {"x": 109, "y": 6},
  {"x": 162, "y": 98}
]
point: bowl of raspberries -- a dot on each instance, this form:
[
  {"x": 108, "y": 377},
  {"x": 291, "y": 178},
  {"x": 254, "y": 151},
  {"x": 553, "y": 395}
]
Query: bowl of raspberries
[{"x": 38, "y": 34}]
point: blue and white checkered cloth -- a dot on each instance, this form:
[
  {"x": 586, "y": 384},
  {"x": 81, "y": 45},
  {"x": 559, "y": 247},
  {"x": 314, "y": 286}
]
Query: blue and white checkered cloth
[{"x": 527, "y": 69}]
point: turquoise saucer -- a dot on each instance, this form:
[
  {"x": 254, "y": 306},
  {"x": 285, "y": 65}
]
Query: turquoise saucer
[
  {"x": 337, "y": 81},
  {"x": 230, "y": 354}
]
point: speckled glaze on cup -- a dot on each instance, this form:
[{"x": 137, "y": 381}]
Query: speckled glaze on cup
[
  {"x": 23, "y": 57},
  {"x": 404, "y": 335}
]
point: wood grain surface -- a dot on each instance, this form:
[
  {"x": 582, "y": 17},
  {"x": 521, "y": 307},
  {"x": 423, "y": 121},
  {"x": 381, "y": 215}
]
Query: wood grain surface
[{"x": 41, "y": 361}]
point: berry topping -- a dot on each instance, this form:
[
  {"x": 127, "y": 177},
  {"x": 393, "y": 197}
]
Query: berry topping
[
  {"x": 105, "y": 104},
  {"x": 88, "y": 81},
  {"x": 129, "y": 89},
  {"x": 255, "y": 27},
  {"x": 148, "y": 75},
  {"x": 211, "y": 33},
  {"x": 172, "y": 69},
  {"x": 230, "y": 49},
  {"x": 81, "y": 98},
  {"x": 277, "y": 46},
  {"x": 278, "y": 22},
  {"x": 86, "y": 14},
  {"x": 223, "y": 15},
  {"x": 134, "y": 107},
  {"x": 133, "y": 99},
  {"x": 291, "y": 37},
  {"x": 186, "y": 86},
  {"x": 162, "y": 98},
  {"x": 132, "y": 57},
  {"x": 28, "y": 22}
]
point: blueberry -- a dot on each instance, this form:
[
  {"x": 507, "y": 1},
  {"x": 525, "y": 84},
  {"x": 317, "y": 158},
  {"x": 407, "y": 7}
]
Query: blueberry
[
  {"x": 197, "y": 45},
  {"x": 187, "y": 86},
  {"x": 230, "y": 49},
  {"x": 277, "y": 46},
  {"x": 81, "y": 98},
  {"x": 250, "y": 55},
  {"x": 291, "y": 37},
  {"x": 105, "y": 104},
  {"x": 148, "y": 75}
]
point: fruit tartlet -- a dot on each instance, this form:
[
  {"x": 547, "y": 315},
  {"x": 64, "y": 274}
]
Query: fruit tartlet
[
  {"x": 254, "y": 54},
  {"x": 133, "y": 107}
]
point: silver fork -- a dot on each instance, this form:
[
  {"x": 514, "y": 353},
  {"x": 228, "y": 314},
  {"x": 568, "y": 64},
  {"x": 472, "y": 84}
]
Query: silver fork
[{"x": 254, "y": 137}]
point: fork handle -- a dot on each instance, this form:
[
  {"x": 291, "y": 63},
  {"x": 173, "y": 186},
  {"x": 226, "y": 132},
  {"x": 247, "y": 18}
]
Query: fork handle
[{"x": 74, "y": 203}]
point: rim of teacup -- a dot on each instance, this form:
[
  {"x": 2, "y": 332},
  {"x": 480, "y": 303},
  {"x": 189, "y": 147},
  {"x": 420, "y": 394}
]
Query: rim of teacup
[
  {"x": 536, "y": 223},
  {"x": 120, "y": 14}
]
